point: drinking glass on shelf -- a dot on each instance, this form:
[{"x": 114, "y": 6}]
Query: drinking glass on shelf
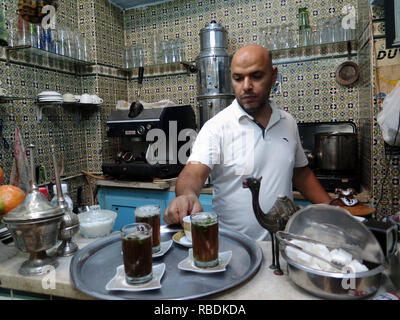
[
  {"x": 293, "y": 35},
  {"x": 75, "y": 45},
  {"x": 139, "y": 56},
  {"x": 156, "y": 49},
  {"x": 338, "y": 29},
  {"x": 60, "y": 41},
  {"x": 133, "y": 56},
  {"x": 261, "y": 37},
  {"x": 180, "y": 49},
  {"x": 32, "y": 35},
  {"x": 315, "y": 35},
  {"x": 55, "y": 41},
  {"x": 164, "y": 51},
  {"x": 267, "y": 37},
  {"x": 23, "y": 32},
  {"x": 47, "y": 40},
  {"x": 69, "y": 43},
  {"x": 275, "y": 37},
  {"x": 320, "y": 32},
  {"x": 284, "y": 37},
  {"x": 78, "y": 46},
  {"x": 171, "y": 51},
  {"x": 84, "y": 50},
  {"x": 332, "y": 33},
  {"x": 326, "y": 35},
  {"x": 38, "y": 38},
  {"x": 127, "y": 58}
]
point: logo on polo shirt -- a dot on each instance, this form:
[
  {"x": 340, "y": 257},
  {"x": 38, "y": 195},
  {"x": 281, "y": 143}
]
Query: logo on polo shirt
[{"x": 285, "y": 139}]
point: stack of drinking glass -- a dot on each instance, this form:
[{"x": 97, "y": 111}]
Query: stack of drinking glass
[
  {"x": 162, "y": 52},
  {"x": 60, "y": 40},
  {"x": 287, "y": 36}
]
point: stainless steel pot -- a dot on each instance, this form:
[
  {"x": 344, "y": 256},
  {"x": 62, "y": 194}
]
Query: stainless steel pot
[
  {"x": 210, "y": 105},
  {"x": 214, "y": 73},
  {"x": 331, "y": 285},
  {"x": 336, "y": 151}
]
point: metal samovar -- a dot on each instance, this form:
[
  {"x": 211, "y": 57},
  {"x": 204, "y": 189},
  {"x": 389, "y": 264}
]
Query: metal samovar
[{"x": 214, "y": 85}]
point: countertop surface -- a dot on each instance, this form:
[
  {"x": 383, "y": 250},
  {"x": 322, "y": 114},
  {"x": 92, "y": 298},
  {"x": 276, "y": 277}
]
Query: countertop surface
[
  {"x": 264, "y": 285},
  {"x": 169, "y": 185}
]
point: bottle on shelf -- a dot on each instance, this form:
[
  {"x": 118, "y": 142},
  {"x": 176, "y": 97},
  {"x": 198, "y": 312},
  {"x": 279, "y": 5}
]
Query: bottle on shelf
[{"x": 304, "y": 28}]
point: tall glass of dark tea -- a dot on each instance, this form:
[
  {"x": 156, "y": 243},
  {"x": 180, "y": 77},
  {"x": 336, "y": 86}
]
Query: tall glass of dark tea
[
  {"x": 137, "y": 253},
  {"x": 150, "y": 214},
  {"x": 205, "y": 239}
]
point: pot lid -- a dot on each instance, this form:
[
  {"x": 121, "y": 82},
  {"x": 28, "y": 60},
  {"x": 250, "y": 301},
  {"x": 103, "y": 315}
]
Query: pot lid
[{"x": 35, "y": 206}]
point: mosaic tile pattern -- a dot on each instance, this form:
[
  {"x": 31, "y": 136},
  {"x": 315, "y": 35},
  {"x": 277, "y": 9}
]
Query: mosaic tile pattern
[
  {"x": 308, "y": 89},
  {"x": 76, "y": 133}
]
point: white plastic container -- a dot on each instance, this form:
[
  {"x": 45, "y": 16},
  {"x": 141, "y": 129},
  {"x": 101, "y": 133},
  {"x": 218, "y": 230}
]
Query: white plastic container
[{"x": 64, "y": 189}]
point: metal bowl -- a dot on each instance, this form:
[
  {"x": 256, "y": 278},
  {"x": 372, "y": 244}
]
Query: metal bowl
[
  {"x": 334, "y": 224},
  {"x": 35, "y": 236},
  {"x": 332, "y": 285}
]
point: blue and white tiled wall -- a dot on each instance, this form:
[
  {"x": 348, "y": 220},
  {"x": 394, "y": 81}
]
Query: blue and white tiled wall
[{"x": 308, "y": 89}]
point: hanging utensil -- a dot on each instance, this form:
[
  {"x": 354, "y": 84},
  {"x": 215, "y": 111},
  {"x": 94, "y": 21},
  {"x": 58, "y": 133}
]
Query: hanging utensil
[
  {"x": 348, "y": 72},
  {"x": 136, "y": 107}
]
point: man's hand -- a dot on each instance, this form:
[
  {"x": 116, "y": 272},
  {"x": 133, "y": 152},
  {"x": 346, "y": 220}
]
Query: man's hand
[{"x": 180, "y": 207}]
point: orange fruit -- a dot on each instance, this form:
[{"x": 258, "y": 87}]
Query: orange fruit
[
  {"x": 1, "y": 175},
  {"x": 11, "y": 197}
]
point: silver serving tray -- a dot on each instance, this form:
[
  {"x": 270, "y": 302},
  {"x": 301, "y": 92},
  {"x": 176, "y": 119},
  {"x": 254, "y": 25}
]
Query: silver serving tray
[{"x": 94, "y": 265}]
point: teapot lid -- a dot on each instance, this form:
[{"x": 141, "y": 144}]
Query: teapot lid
[
  {"x": 213, "y": 25},
  {"x": 35, "y": 206}
]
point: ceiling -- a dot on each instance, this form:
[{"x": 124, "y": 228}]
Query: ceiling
[{"x": 134, "y": 4}]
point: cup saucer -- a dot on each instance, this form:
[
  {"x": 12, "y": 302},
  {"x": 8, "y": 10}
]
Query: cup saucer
[
  {"x": 118, "y": 282},
  {"x": 181, "y": 239},
  {"x": 165, "y": 246},
  {"x": 188, "y": 263}
]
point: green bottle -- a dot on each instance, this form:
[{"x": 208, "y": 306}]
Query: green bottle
[
  {"x": 3, "y": 30},
  {"x": 304, "y": 28}
]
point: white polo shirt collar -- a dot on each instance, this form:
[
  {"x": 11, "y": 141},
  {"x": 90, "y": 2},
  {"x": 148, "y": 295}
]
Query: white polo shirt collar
[{"x": 276, "y": 115}]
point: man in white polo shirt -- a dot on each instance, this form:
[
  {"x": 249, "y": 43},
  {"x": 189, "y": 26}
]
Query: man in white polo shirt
[{"x": 249, "y": 138}]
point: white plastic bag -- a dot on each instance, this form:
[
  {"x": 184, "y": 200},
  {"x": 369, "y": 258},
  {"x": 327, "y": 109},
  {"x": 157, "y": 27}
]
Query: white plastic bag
[{"x": 388, "y": 119}]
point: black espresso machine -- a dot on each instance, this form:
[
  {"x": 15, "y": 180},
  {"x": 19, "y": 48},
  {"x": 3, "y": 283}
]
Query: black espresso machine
[
  {"x": 330, "y": 179},
  {"x": 149, "y": 141}
]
